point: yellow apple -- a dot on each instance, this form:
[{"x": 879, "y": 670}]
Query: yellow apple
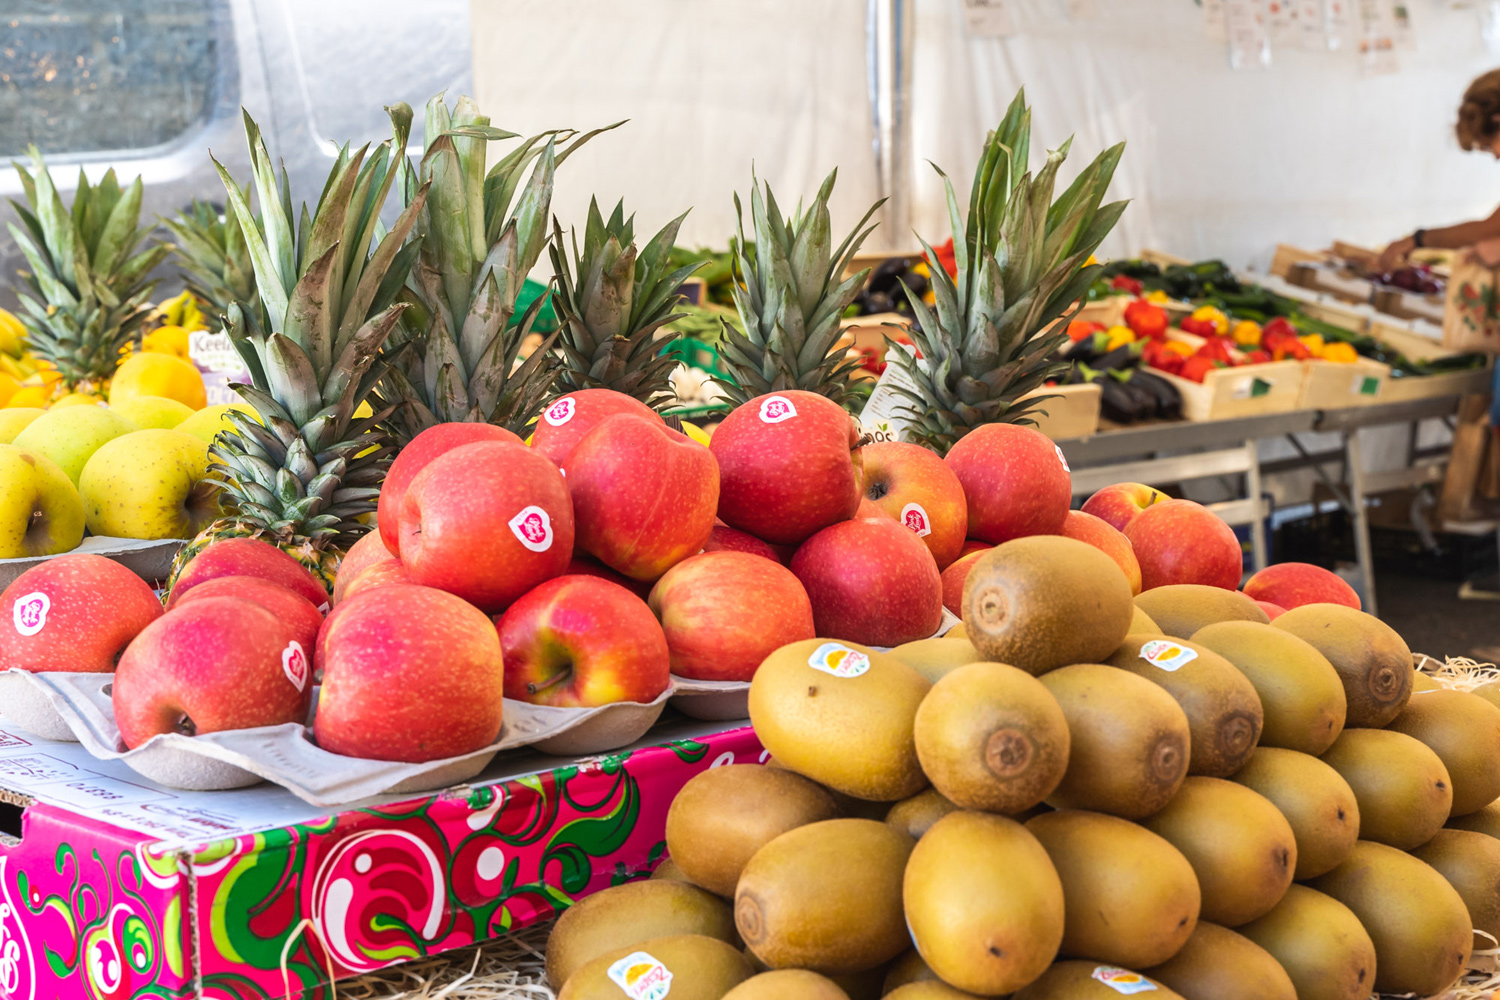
[
  {"x": 208, "y": 422},
  {"x": 148, "y": 412},
  {"x": 153, "y": 374},
  {"x": 71, "y": 435},
  {"x": 149, "y": 484},
  {"x": 76, "y": 399},
  {"x": 40, "y": 511},
  {"x": 15, "y": 419}
]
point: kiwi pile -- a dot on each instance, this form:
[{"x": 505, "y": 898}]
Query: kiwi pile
[{"x": 1078, "y": 796}]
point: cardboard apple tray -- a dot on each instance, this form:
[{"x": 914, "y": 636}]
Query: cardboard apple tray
[
  {"x": 116, "y": 886},
  {"x": 148, "y": 558}
]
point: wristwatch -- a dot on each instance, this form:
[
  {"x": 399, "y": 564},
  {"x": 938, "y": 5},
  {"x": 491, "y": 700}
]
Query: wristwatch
[{"x": 1419, "y": 238}]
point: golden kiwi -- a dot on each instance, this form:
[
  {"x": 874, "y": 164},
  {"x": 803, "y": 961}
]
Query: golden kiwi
[
  {"x": 787, "y": 984},
  {"x": 1402, "y": 787},
  {"x": 1464, "y": 731},
  {"x": 700, "y": 968},
  {"x": 1372, "y": 660},
  {"x": 915, "y": 816},
  {"x": 1218, "y": 964},
  {"x": 1471, "y": 863},
  {"x": 1180, "y": 609},
  {"x": 1141, "y": 623},
  {"x": 1486, "y": 820},
  {"x": 1092, "y": 981},
  {"x": 1320, "y": 944},
  {"x": 932, "y": 658},
  {"x": 1313, "y": 798}
]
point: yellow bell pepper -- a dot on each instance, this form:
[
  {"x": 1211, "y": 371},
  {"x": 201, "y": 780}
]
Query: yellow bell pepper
[
  {"x": 1313, "y": 342},
  {"x": 1246, "y": 333},
  {"x": 1158, "y": 297},
  {"x": 1341, "y": 353},
  {"x": 1216, "y": 316},
  {"x": 1118, "y": 336}
]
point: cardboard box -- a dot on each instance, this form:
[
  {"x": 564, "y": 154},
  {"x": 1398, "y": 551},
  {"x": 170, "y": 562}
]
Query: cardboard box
[{"x": 119, "y": 888}]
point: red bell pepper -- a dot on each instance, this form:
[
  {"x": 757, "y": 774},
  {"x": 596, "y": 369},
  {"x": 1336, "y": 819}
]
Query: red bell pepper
[
  {"x": 1199, "y": 327},
  {"x": 1124, "y": 283},
  {"x": 1196, "y": 367},
  {"x": 1257, "y": 358},
  {"x": 1080, "y": 328},
  {"x": 1217, "y": 348},
  {"x": 1146, "y": 319}
]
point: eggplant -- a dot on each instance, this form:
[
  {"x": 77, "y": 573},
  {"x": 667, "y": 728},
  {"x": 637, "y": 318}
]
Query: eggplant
[
  {"x": 1118, "y": 403},
  {"x": 1168, "y": 399},
  {"x": 1086, "y": 348},
  {"x": 888, "y": 274},
  {"x": 1122, "y": 357}
]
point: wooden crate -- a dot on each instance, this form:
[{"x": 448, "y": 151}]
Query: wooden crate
[
  {"x": 1331, "y": 282},
  {"x": 871, "y": 331},
  {"x": 1287, "y": 256},
  {"x": 1075, "y": 413},
  {"x": 1338, "y": 313},
  {"x": 1407, "y": 339},
  {"x": 1162, "y": 259},
  {"x": 1334, "y": 385},
  {"x": 1246, "y": 391}
]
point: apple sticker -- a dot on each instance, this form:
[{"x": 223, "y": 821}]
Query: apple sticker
[
  {"x": 1123, "y": 980},
  {"x": 1064, "y": 460},
  {"x": 915, "y": 518},
  {"x": 839, "y": 660},
  {"x": 641, "y": 976},
  {"x": 30, "y": 612},
  {"x": 294, "y": 664},
  {"x": 1167, "y": 655},
  {"x": 775, "y": 409},
  {"x": 533, "y": 528},
  {"x": 561, "y": 411}
]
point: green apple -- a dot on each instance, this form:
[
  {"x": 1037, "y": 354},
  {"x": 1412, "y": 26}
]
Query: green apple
[
  {"x": 71, "y": 435},
  {"x": 209, "y": 421},
  {"x": 40, "y": 511},
  {"x": 15, "y": 419},
  {"x": 149, "y": 484},
  {"x": 152, "y": 411}
]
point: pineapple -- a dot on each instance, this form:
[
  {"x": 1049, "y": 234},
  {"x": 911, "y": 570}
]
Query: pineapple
[
  {"x": 1021, "y": 266},
  {"x": 304, "y": 474},
  {"x": 88, "y": 290},
  {"x": 790, "y": 298},
  {"x": 473, "y": 251},
  {"x": 612, "y": 310},
  {"x": 214, "y": 257}
]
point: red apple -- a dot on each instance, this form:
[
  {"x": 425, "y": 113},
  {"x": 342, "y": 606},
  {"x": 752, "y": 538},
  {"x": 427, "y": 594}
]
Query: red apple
[
  {"x": 869, "y": 508},
  {"x": 1118, "y": 504},
  {"x": 723, "y": 538},
  {"x": 292, "y": 610},
  {"x": 1293, "y": 584},
  {"x": 369, "y": 550},
  {"x": 579, "y": 642},
  {"x": 585, "y": 566},
  {"x": 973, "y": 545},
  {"x": 487, "y": 522},
  {"x": 871, "y": 581},
  {"x": 789, "y": 466},
  {"x": 1097, "y": 532},
  {"x": 418, "y": 453},
  {"x": 1178, "y": 541},
  {"x": 643, "y": 494},
  {"x": 73, "y": 613},
  {"x": 568, "y": 419},
  {"x": 208, "y": 666},
  {"x": 913, "y": 485},
  {"x": 725, "y": 612},
  {"x": 1015, "y": 481},
  {"x": 954, "y": 577},
  {"x": 249, "y": 557},
  {"x": 410, "y": 674},
  {"x": 381, "y": 574},
  {"x": 1271, "y": 610}
]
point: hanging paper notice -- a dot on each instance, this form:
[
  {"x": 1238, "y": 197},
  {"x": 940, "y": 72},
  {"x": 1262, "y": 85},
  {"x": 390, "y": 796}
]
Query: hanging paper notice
[
  {"x": 988, "y": 18},
  {"x": 1338, "y": 24},
  {"x": 1282, "y": 15},
  {"x": 1405, "y": 39},
  {"x": 1213, "y": 20},
  {"x": 1377, "y": 41},
  {"x": 1249, "y": 40},
  {"x": 1312, "y": 31}
]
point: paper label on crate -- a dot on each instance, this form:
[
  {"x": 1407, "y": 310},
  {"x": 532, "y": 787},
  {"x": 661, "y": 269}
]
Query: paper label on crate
[
  {"x": 29, "y": 613},
  {"x": 1252, "y": 388},
  {"x": 294, "y": 664},
  {"x": 775, "y": 409},
  {"x": 888, "y": 412},
  {"x": 533, "y": 528},
  {"x": 839, "y": 660},
  {"x": 1366, "y": 385},
  {"x": 220, "y": 364},
  {"x": 641, "y": 976},
  {"x": 561, "y": 411},
  {"x": 1123, "y": 980},
  {"x": 914, "y": 516},
  {"x": 1167, "y": 655}
]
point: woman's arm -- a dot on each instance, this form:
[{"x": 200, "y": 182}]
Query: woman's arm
[{"x": 1464, "y": 234}]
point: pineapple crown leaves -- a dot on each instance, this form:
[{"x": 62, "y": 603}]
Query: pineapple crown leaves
[
  {"x": 313, "y": 345},
  {"x": 88, "y": 287},
  {"x": 790, "y": 298},
  {"x": 211, "y": 250},
  {"x": 618, "y": 300},
  {"x": 1020, "y": 267}
]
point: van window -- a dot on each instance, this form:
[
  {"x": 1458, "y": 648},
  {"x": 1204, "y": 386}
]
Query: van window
[{"x": 99, "y": 76}]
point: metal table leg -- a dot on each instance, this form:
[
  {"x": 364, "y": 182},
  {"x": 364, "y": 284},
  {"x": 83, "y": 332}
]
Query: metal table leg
[
  {"x": 1354, "y": 462},
  {"x": 1253, "y": 489}
]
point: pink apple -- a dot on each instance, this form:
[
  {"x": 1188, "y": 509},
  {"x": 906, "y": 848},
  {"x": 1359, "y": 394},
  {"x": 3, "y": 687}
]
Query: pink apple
[
  {"x": 913, "y": 485},
  {"x": 381, "y": 574},
  {"x": 292, "y": 610},
  {"x": 725, "y": 612},
  {"x": 723, "y": 538},
  {"x": 249, "y": 557},
  {"x": 1293, "y": 584},
  {"x": 1118, "y": 504},
  {"x": 415, "y": 457},
  {"x": 644, "y": 495},
  {"x": 1015, "y": 481},
  {"x": 568, "y": 419},
  {"x": 1178, "y": 541},
  {"x": 209, "y": 666},
  {"x": 954, "y": 577},
  {"x": 869, "y": 508},
  {"x": 74, "y": 614},
  {"x": 369, "y": 550},
  {"x": 579, "y": 642},
  {"x": 586, "y": 566},
  {"x": 410, "y": 674},
  {"x": 1271, "y": 610},
  {"x": 487, "y": 522},
  {"x": 871, "y": 581},
  {"x": 973, "y": 545},
  {"x": 1097, "y": 532},
  {"x": 789, "y": 466}
]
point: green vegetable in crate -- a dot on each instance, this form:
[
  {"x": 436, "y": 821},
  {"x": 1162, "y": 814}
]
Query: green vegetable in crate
[
  {"x": 613, "y": 299},
  {"x": 1021, "y": 265},
  {"x": 791, "y": 300}
]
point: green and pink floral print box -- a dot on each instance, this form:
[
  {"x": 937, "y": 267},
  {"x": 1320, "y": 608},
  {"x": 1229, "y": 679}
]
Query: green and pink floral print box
[{"x": 112, "y": 888}]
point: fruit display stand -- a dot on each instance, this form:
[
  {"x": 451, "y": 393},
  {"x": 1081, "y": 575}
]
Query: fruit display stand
[
  {"x": 1249, "y": 390},
  {"x": 111, "y": 886}
]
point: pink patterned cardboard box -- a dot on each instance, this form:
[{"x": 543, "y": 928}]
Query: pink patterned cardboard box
[{"x": 119, "y": 889}]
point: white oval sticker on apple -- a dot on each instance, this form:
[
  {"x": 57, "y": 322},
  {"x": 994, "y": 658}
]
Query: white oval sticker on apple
[
  {"x": 915, "y": 517},
  {"x": 1062, "y": 458},
  {"x": 533, "y": 528},
  {"x": 29, "y": 613},
  {"x": 294, "y": 664},
  {"x": 775, "y": 409},
  {"x": 839, "y": 660},
  {"x": 561, "y": 411}
]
